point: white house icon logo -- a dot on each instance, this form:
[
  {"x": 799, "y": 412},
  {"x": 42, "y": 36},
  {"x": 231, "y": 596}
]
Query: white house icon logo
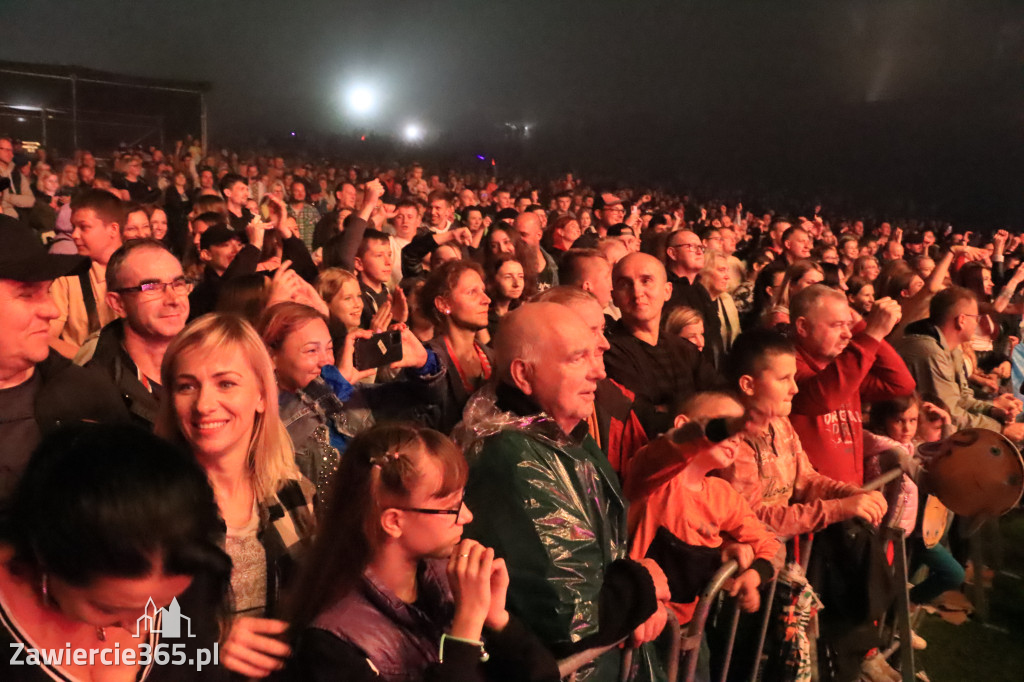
[{"x": 166, "y": 621}]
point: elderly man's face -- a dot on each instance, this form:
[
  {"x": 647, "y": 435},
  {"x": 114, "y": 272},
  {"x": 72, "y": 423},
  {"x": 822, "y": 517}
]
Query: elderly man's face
[
  {"x": 563, "y": 382},
  {"x": 26, "y": 309},
  {"x": 825, "y": 332}
]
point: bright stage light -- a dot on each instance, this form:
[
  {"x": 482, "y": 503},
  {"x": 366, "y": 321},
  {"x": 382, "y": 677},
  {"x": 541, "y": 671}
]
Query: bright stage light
[
  {"x": 412, "y": 132},
  {"x": 361, "y": 99}
]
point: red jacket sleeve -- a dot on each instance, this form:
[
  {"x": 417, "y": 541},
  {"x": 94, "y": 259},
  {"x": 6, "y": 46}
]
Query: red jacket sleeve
[
  {"x": 889, "y": 377},
  {"x": 829, "y": 389}
]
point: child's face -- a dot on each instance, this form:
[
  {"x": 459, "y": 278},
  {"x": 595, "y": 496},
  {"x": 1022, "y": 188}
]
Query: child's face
[
  {"x": 903, "y": 427},
  {"x": 770, "y": 391},
  {"x": 929, "y": 430},
  {"x": 723, "y": 453}
]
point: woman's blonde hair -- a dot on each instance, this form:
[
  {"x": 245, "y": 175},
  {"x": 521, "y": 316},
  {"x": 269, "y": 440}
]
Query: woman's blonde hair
[
  {"x": 712, "y": 259},
  {"x": 681, "y": 317},
  {"x": 330, "y": 281},
  {"x": 271, "y": 455},
  {"x": 794, "y": 273}
]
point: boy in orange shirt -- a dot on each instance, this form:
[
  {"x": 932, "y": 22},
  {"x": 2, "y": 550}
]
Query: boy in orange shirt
[{"x": 698, "y": 510}]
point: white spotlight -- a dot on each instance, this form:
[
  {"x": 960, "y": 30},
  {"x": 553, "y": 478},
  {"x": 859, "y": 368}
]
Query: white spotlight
[
  {"x": 362, "y": 99},
  {"x": 413, "y": 132}
]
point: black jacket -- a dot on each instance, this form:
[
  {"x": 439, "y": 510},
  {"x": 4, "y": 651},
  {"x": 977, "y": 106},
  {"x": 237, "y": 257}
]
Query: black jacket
[
  {"x": 695, "y": 296},
  {"x": 70, "y": 393},
  {"x": 112, "y": 360}
]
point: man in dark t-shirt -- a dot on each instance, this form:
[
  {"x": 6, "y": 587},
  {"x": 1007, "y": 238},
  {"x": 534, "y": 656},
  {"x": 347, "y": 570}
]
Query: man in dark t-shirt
[
  {"x": 38, "y": 387},
  {"x": 660, "y": 368}
]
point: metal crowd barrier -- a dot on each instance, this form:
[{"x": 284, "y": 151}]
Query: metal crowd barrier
[
  {"x": 569, "y": 666},
  {"x": 691, "y": 641},
  {"x": 686, "y": 647}
]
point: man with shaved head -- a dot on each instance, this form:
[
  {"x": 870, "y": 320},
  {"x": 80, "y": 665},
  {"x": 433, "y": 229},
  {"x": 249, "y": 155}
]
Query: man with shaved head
[
  {"x": 589, "y": 270},
  {"x": 538, "y": 261},
  {"x": 537, "y": 474},
  {"x": 660, "y": 368}
]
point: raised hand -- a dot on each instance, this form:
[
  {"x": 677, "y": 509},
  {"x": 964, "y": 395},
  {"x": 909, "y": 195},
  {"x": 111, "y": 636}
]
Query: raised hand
[
  {"x": 470, "y": 569},
  {"x": 380, "y": 321},
  {"x": 346, "y": 365},
  {"x": 414, "y": 353},
  {"x": 884, "y": 316}
]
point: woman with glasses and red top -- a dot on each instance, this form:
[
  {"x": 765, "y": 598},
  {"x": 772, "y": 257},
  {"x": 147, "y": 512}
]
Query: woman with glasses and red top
[{"x": 391, "y": 591}]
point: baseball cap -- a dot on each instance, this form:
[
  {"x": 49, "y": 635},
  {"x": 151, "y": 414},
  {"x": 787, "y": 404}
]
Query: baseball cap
[
  {"x": 23, "y": 258},
  {"x": 218, "y": 234}
]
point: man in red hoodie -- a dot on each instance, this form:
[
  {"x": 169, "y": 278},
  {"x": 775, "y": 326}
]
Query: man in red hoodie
[{"x": 839, "y": 363}]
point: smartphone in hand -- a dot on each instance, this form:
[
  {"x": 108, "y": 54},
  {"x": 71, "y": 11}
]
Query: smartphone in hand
[{"x": 378, "y": 350}]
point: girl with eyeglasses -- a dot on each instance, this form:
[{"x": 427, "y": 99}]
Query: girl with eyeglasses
[{"x": 391, "y": 591}]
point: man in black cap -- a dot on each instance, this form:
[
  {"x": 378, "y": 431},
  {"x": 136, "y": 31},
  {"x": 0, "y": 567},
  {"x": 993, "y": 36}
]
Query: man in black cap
[
  {"x": 39, "y": 388},
  {"x": 221, "y": 249},
  {"x": 608, "y": 211}
]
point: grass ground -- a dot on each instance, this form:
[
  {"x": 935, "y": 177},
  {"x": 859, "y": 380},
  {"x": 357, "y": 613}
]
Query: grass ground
[{"x": 986, "y": 652}]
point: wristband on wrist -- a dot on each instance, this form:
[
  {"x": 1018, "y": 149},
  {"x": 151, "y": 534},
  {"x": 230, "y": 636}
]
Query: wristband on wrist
[{"x": 484, "y": 656}]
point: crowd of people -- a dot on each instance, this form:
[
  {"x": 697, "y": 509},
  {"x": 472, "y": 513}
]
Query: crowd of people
[{"x": 378, "y": 423}]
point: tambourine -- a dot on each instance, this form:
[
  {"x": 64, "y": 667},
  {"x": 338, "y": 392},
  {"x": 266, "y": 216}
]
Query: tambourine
[{"x": 974, "y": 472}]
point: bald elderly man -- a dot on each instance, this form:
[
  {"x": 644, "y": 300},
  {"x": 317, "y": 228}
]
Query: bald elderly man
[
  {"x": 545, "y": 498},
  {"x": 662, "y": 369}
]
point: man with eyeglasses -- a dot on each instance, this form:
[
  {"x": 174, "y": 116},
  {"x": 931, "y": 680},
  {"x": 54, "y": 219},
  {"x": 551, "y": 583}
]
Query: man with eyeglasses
[
  {"x": 932, "y": 350},
  {"x": 684, "y": 260},
  {"x": 608, "y": 211},
  {"x": 147, "y": 289},
  {"x": 39, "y": 388}
]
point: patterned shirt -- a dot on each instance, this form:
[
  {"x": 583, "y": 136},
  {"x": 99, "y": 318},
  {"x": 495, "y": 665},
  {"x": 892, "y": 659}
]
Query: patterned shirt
[{"x": 306, "y": 218}]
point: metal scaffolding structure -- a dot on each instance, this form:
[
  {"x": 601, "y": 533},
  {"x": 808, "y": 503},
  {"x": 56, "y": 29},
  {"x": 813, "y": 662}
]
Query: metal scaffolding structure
[{"x": 94, "y": 99}]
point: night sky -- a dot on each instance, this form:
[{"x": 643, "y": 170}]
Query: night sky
[{"x": 797, "y": 90}]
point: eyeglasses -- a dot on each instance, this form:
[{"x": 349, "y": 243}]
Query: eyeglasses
[
  {"x": 449, "y": 512},
  {"x": 616, "y": 208},
  {"x": 696, "y": 248},
  {"x": 180, "y": 287}
]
